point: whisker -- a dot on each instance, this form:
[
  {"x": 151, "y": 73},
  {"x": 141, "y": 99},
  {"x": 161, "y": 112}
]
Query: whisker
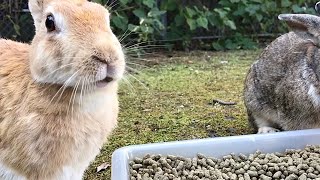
[
  {"x": 132, "y": 69},
  {"x": 131, "y": 42},
  {"x": 112, "y": 5},
  {"x": 143, "y": 42},
  {"x": 74, "y": 97},
  {"x": 107, "y": 2},
  {"x": 87, "y": 85},
  {"x": 61, "y": 67},
  {"x": 94, "y": 83},
  {"x": 136, "y": 64},
  {"x": 81, "y": 95},
  {"x": 137, "y": 58},
  {"x": 63, "y": 87},
  {"x": 133, "y": 45},
  {"x": 124, "y": 36},
  {"x": 147, "y": 43},
  {"x": 125, "y": 80},
  {"x": 70, "y": 100},
  {"x": 139, "y": 81},
  {"x": 147, "y": 47},
  {"x": 57, "y": 80},
  {"x": 121, "y": 37}
]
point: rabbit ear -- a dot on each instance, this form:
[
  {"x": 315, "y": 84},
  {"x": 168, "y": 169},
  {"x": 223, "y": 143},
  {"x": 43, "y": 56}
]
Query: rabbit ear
[
  {"x": 36, "y": 8},
  {"x": 302, "y": 22},
  {"x": 317, "y": 7}
]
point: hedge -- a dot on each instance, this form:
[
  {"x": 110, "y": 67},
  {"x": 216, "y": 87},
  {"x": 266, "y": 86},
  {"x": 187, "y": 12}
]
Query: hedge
[{"x": 214, "y": 24}]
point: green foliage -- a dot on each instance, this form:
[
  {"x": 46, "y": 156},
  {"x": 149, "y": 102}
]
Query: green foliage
[{"x": 232, "y": 24}]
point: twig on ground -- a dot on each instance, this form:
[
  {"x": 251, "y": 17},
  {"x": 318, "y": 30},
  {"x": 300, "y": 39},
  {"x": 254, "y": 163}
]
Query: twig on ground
[{"x": 218, "y": 101}]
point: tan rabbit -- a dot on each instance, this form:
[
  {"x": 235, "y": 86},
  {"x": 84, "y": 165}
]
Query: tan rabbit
[{"x": 58, "y": 96}]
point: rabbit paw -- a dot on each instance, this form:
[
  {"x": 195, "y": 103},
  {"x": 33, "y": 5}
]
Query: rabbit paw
[{"x": 266, "y": 129}]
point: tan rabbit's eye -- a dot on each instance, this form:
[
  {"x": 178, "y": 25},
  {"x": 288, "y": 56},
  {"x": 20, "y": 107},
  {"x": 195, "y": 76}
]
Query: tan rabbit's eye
[{"x": 50, "y": 23}]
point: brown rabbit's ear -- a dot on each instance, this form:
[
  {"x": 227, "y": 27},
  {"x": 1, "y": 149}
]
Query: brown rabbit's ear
[{"x": 302, "y": 22}]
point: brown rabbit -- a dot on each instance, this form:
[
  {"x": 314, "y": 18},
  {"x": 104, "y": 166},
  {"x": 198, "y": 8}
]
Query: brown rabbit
[
  {"x": 282, "y": 90},
  {"x": 58, "y": 96}
]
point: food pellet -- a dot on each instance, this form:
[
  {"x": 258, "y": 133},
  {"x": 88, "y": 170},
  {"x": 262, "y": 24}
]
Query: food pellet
[
  {"x": 277, "y": 174},
  {"x": 292, "y": 164},
  {"x": 302, "y": 177},
  {"x": 264, "y": 177}
]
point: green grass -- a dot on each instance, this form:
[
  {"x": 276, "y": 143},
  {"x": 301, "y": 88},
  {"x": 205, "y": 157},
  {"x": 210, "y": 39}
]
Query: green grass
[{"x": 174, "y": 101}]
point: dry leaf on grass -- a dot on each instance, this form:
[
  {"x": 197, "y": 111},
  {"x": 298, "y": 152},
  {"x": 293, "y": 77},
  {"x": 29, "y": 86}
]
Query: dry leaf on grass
[{"x": 103, "y": 167}]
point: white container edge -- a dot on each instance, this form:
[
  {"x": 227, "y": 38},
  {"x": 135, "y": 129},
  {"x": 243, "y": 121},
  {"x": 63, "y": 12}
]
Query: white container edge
[{"x": 215, "y": 147}]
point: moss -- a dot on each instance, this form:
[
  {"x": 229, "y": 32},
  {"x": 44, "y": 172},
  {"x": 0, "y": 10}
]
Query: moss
[{"x": 174, "y": 102}]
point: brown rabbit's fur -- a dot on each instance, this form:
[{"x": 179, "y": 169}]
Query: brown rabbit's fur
[
  {"x": 47, "y": 133},
  {"x": 282, "y": 89}
]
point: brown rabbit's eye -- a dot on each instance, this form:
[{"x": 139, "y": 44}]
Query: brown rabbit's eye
[{"x": 50, "y": 23}]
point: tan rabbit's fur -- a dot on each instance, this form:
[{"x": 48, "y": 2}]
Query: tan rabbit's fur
[{"x": 53, "y": 117}]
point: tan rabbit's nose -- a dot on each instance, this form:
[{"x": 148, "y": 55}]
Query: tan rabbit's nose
[
  {"x": 107, "y": 45},
  {"x": 99, "y": 59}
]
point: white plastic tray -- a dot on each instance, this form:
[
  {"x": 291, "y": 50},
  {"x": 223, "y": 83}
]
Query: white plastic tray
[{"x": 216, "y": 147}]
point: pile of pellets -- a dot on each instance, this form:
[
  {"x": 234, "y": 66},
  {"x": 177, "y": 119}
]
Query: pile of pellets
[{"x": 292, "y": 164}]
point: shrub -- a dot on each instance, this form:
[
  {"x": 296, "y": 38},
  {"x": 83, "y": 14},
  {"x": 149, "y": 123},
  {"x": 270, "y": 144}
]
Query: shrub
[
  {"x": 216, "y": 24},
  {"x": 233, "y": 24}
]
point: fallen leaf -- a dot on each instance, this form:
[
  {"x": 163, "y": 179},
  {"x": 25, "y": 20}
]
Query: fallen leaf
[
  {"x": 103, "y": 167},
  {"x": 229, "y": 118},
  {"x": 147, "y": 110}
]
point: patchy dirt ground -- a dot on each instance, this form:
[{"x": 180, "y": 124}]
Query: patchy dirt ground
[{"x": 171, "y": 98}]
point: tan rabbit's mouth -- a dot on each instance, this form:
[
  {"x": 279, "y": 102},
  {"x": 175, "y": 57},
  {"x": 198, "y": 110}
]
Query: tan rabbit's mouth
[{"x": 104, "y": 82}]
